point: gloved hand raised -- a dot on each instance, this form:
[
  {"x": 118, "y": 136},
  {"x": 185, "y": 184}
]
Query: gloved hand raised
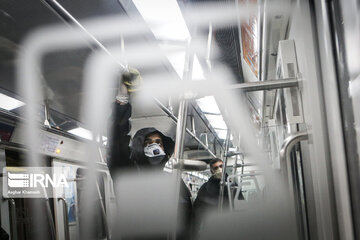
[{"x": 130, "y": 81}]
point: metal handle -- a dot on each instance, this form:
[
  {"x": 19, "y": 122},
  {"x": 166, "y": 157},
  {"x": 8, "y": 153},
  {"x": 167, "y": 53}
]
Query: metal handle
[
  {"x": 286, "y": 147},
  {"x": 12, "y": 216},
  {"x": 66, "y": 218},
  {"x": 291, "y": 175}
]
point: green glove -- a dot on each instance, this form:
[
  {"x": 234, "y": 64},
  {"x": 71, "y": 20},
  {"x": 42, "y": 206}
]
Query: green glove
[{"x": 132, "y": 80}]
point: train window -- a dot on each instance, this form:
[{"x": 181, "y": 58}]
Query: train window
[{"x": 15, "y": 25}]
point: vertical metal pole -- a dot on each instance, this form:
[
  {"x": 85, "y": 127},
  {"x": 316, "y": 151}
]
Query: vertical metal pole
[
  {"x": 234, "y": 170},
  {"x": 12, "y": 214},
  {"x": 209, "y": 43},
  {"x": 50, "y": 218},
  {"x": 122, "y": 46},
  {"x": 181, "y": 128},
  {"x": 222, "y": 182},
  {"x": 47, "y": 114},
  {"x": 49, "y": 215},
  {"x": 178, "y": 153},
  {"x": 170, "y": 107},
  {"x": 193, "y": 129},
  {"x": 231, "y": 202},
  {"x": 180, "y": 131},
  {"x": 103, "y": 212},
  {"x": 183, "y": 106},
  {"x": 206, "y": 140}
]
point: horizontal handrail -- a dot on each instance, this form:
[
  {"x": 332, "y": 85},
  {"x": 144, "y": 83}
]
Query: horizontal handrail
[
  {"x": 244, "y": 165},
  {"x": 266, "y": 85},
  {"x": 190, "y": 165},
  {"x": 245, "y": 175}
]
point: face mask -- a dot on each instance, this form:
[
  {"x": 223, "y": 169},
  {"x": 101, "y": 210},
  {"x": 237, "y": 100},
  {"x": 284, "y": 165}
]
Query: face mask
[
  {"x": 155, "y": 160},
  {"x": 154, "y": 153},
  {"x": 218, "y": 173}
]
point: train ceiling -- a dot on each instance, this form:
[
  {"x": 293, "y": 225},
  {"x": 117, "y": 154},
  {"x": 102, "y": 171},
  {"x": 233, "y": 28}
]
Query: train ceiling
[{"x": 63, "y": 71}]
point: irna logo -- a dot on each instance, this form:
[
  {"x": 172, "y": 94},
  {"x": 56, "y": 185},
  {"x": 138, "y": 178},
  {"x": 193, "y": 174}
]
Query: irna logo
[{"x": 34, "y": 180}]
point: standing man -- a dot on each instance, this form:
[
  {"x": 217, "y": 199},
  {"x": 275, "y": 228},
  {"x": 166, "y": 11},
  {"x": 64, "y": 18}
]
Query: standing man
[
  {"x": 208, "y": 195},
  {"x": 149, "y": 149}
]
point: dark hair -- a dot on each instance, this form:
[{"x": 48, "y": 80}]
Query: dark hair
[{"x": 213, "y": 161}]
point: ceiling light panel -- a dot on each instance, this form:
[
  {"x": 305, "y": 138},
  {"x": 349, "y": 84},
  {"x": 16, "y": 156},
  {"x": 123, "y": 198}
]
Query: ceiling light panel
[
  {"x": 81, "y": 132},
  {"x": 221, "y": 133},
  {"x": 208, "y": 105},
  {"x": 164, "y": 18},
  {"x": 216, "y": 121},
  {"x": 9, "y": 103}
]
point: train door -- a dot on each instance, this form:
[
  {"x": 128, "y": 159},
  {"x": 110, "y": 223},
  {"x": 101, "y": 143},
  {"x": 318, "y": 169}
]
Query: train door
[
  {"x": 7, "y": 205},
  {"x": 70, "y": 208},
  {"x": 284, "y": 127},
  {"x": 20, "y": 215},
  {"x": 303, "y": 130},
  {"x": 66, "y": 212},
  {"x": 338, "y": 36}
]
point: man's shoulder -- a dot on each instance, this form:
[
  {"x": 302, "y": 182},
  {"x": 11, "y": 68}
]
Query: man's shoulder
[{"x": 204, "y": 186}]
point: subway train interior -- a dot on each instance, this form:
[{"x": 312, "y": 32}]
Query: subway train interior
[{"x": 113, "y": 114}]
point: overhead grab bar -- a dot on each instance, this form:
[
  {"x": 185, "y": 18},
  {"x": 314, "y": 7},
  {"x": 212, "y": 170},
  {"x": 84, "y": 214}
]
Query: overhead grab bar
[{"x": 66, "y": 218}]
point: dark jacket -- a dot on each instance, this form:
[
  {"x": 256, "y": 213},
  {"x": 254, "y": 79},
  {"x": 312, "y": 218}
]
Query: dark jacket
[
  {"x": 3, "y": 234},
  {"x": 122, "y": 156},
  {"x": 207, "y": 200},
  {"x": 118, "y": 154}
]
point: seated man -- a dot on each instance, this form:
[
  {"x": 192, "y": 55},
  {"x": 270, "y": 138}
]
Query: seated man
[{"x": 150, "y": 149}]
